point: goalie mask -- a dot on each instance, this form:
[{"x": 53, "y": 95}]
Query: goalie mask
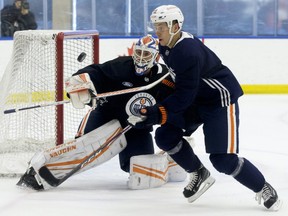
[{"x": 145, "y": 54}]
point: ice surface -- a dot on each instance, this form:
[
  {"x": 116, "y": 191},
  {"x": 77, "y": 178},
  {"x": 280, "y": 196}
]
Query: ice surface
[{"x": 103, "y": 191}]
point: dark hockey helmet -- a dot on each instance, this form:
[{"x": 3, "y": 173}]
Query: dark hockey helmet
[{"x": 145, "y": 54}]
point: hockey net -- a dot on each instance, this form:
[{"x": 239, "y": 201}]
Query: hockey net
[{"x": 35, "y": 75}]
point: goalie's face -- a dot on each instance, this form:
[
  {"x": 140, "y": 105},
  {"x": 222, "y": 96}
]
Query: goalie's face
[
  {"x": 142, "y": 59},
  {"x": 145, "y": 54}
]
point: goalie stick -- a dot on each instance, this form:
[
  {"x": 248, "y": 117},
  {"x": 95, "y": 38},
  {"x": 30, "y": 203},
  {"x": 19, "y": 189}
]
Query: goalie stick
[
  {"x": 46, "y": 174},
  {"x": 101, "y": 95},
  {"x": 36, "y": 106}
]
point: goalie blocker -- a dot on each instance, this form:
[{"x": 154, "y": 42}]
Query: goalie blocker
[{"x": 147, "y": 171}]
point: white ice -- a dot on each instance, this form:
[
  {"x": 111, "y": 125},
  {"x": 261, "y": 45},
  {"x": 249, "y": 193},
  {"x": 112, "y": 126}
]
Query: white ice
[{"x": 103, "y": 190}]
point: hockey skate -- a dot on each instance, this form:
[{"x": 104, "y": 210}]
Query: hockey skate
[
  {"x": 29, "y": 180},
  {"x": 269, "y": 196},
  {"x": 200, "y": 181}
]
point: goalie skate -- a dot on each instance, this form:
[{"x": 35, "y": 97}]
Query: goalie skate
[
  {"x": 200, "y": 181},
  {"x": 29, "y": 180}
]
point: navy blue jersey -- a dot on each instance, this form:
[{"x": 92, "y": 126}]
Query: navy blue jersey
[
  {"x": 200, "y": 78},
  {"x": 119, "y": 74}
]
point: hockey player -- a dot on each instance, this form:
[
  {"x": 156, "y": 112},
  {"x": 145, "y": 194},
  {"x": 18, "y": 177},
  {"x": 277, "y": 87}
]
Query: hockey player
[
  {"x": 206, "y": 93},
  {"x": 122, "y": 73}
]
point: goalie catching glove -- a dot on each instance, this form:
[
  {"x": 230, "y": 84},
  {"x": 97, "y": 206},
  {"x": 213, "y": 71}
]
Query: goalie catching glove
[
  {"x": 81, "y": 90},
  {"x": 149, "y": 116}
]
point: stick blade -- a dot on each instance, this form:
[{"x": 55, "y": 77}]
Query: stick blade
[{"x": 46, "y": 174}]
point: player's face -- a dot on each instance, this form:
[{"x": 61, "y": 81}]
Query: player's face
[
  {"x": 18, "y": 4},
  {"x": 162, "y": 32}
]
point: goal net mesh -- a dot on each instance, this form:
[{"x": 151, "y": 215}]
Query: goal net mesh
[{"x": 35, "y": 75}]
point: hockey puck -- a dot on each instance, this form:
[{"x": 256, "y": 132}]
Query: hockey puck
[{"x": 81, "y": 57}]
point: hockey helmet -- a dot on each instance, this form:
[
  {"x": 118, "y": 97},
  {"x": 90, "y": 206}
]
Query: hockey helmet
[
  {"x": 167, "y": 14},
  {"x": 145, "y": 54}
]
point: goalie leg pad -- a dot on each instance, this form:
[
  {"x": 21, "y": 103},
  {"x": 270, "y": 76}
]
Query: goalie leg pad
[
  {"x": 62, "y": 158},
  {"x": 148, "y": 171},
  {"x": 30, "y": 180},
  {"x": 69, "y": 155},
  {"x": 175, "y": 172}
]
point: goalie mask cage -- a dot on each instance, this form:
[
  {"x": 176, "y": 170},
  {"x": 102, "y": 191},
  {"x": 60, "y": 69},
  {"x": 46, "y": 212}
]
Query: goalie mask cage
[{"x": 35, "y": 75}]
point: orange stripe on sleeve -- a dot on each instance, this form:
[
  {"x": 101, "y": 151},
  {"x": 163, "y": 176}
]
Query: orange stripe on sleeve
[{"x": 168, "y": 83}]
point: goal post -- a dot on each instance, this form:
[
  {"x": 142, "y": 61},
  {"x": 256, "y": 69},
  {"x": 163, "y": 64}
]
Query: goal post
[
  {"x": 41, "y": 61},
  {"x": 60, "y": 70}
]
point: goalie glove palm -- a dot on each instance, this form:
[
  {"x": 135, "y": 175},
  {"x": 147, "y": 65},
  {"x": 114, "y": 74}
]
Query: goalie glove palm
[{"x": 80, "y": 90}]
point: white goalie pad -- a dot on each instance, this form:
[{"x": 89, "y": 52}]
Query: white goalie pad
[
  {"x": 150, "y": 171},
  {"x": 175, "y": 172},
  {"x": 63, "y": 158}
]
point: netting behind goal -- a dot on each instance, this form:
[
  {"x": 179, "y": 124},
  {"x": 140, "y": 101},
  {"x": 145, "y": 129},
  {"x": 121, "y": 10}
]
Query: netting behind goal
[{"x": 35, "y": 75}]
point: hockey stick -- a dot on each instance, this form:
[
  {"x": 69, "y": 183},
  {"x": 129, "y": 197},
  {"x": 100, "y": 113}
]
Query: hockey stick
[
  {"x": 101, "y": 95},
  {"x": 36, "y": 106},
  {"x": 46, "y": 174}
]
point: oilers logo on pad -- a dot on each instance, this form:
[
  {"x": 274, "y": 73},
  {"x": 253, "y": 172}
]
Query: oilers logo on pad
[{"x": 139, "y": 101}]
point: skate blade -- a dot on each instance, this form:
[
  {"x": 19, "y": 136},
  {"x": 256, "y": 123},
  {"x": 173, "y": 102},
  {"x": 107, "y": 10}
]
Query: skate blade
[
  {"x": 276, "y": 206},
  {"x": 206, "y": 185},
  {"x": 25, "y": 187}
]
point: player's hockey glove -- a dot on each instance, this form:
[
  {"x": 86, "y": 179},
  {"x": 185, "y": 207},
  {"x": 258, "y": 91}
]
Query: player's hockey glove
[
  {"x": 150, "y": 116},
  {"x": 80, "y": 90}
]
